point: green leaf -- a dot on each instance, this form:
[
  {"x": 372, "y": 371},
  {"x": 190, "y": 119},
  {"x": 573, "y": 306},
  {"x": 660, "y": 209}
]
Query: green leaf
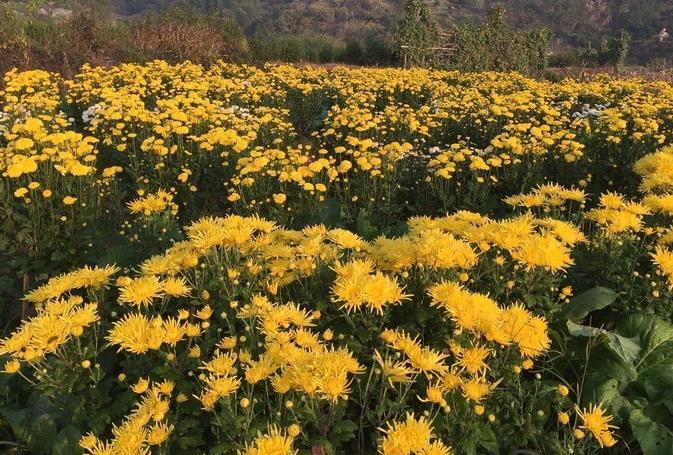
[
  {"x": 626, "y": 348},
  {"x": 222, "y": 448},
  {"x": 328, "y": 213},
  {"x": 591, "y": 300},
  {"x": 654, "y": 438},
  {"x": 608, "y": 393},
  {"x": 17, "y": 420},
  {"x": 343, "y": 430},
  {"x": 634, "y": 383},
  {"x": 365, "y": 227},
  {"x": 42, "y": 434},
  {"x": 67, "y": 442},
  {"x": 654, "y": 363},
  {"x": 577, "y": 330},
  {"x": 488, "y": 440},
  {"x": 121, "y": 255}
]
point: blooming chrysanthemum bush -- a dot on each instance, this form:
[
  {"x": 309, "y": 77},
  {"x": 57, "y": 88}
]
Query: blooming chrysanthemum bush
[{"x": 284, "y": 260}]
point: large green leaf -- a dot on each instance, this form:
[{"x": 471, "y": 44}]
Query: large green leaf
[
  {"x": 67, "y": 442},
  {"x": 654, "y": 363},
  {"x": 626, "y": 349},
  {"x": 607, "y": 392},
  {"x": 365, "y": 227},
  {"x": 328, "y": 212},
  {"x": 42, "y": 434},
  {"x": 488, "y": 440},
  {"x": 634, "y": 384},
  {"x": 17, "y": 420},
  {"x": 653, "y": 438},
  {"x": 583, "y": 304}
]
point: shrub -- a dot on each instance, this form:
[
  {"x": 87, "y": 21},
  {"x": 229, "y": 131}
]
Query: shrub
[
  {"x": 180, "y": 34},
  {"x": 497, "y": 46}
]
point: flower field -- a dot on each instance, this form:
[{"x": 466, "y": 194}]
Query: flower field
[{"x": 300, "y": 260}]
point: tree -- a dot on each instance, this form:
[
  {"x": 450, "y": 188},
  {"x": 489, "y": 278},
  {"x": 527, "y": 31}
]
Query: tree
[
  {"x": 417, "y": 32},
  {"x": 498, "y": 46}
]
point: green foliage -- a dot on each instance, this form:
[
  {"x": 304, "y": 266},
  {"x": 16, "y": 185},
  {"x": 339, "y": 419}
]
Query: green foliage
[
  {"x": 613, "y": 50},
  {"x": 638, "y": 389},
  {"x": 591, "y": 300},
  {"x": 296, "y": 48},
  {"x": 497, "y": 46},
  {"x": 416, "y": 33},
  {"x": 316, "y": 48},
  {"x": 628, "y": 368},
  {"x": 575, "y": 23}
]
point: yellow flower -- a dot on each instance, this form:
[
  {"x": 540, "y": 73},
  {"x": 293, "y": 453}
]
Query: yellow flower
[
  {"x": 136, "y": 333},
  {"x": 227, "y": 343},
  {"x": 12, "y": 366},
  {"x": 293, "y": 430},
  {"x": 141, "y": 291},
  {"x": 89, "y": 442},
  {"x": 411, "y": 436},
  {"x": 563, "y": 418},
  {"x": 23, "y": 143},
  {"x": 279, "y": 198},
  {"x": 165, "y": 387},
  {"x": 46, "y": 194},
  {"x": 275, "y": 442},
  {"x": 20, "y": 192},
  {"x": 176, "y": 287},
  {"x": 597, "y": 422},
  {"x": 204, "y": 313},
  {"x": 475, "y": 390},
  {"x": 69, "y": 200},
  {"x": 433, "y": 394},
  {"x": 111, "y": 171},
  {"x": 194, "y": 352},
  {"x": 159, "y": 433},
  {"x": 23, "y": 166},
  {"x": 473, "y": 359},
  {"x": 141, "y": 386}
]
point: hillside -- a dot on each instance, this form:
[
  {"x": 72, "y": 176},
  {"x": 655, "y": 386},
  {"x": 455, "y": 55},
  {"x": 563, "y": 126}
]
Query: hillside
[{"x": 576, "y": 22}]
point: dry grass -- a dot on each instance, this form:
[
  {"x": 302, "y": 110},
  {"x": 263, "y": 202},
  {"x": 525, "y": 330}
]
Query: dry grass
[{"x": 63, "y": 47}]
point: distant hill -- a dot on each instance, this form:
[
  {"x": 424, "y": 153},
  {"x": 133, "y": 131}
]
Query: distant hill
[{"x": 575, "y": 23}]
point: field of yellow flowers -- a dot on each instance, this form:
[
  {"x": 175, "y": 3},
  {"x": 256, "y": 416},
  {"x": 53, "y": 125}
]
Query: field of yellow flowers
[{"x": 288, "y": 260}]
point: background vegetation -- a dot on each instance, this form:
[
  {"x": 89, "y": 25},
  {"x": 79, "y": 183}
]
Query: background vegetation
[{"x": 62, "y": 35}]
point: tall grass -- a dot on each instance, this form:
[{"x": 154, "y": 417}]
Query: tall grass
[{"x": 316, "y": 48}]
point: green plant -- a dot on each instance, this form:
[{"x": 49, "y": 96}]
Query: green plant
[
  {"x": 417, "y": 33},
  {"x": 627, "y": 364},
  {"x": 497, "y": 46}
]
